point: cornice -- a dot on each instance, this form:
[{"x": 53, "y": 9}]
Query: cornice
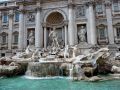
[
  {"x": 22, "y": 11},
  {"x": 8, "y": 8},
  {"x": 25, "y": 2}
]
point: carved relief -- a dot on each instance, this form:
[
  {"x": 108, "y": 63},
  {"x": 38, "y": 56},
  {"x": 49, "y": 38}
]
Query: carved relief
[
  {"x": 80, "y": 11},
  {"x": 31, "y": 17}
]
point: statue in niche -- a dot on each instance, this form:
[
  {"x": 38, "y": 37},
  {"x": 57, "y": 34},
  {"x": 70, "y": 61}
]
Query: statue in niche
[
  {"x": 54, "y": 38},
  {"x": 82, "y": 35},
  {"x": 31, "y": 38}
]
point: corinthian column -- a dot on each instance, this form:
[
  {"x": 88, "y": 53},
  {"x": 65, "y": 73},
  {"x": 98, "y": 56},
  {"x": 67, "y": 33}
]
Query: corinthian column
[
  {"x": 38, "y": 29},
  {"x": 10, "y": 29},
  {"x": 21, "y": 29},
  {"x": 66, "y": 34},
  {"x": 91, "y": 24},
  {"x": 0, "y": 27},
  {"x": 109, "y": 22},
  {"x": 45, "y": 36},
  {"x": 71, "y": 24}
]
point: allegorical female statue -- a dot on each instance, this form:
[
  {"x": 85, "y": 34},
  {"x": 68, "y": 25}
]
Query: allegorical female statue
[
  {"x": 82, "y": 35},
  {"x": 31, "y": 38}
]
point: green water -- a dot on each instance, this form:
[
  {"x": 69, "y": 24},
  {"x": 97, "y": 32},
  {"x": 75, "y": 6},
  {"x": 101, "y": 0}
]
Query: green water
[{"x": 20, "y": 83}]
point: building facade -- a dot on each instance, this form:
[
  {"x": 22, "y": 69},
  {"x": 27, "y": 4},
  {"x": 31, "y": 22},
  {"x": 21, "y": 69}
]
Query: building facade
[{"x": 99, "y": 20}]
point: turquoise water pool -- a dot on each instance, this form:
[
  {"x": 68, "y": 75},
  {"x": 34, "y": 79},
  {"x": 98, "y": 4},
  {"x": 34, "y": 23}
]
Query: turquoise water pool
[{"x": 20, "y": 83}]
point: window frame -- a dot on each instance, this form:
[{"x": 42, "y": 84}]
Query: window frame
[
  {"x": 103, "y": 29},
  {"x": 4, "y": 18},
  {"x": 15, "y": 40},
  {"x": 16, "y": 18},
  {"x": 118, "y": 32},
  {"x": 116, "y": 7}
]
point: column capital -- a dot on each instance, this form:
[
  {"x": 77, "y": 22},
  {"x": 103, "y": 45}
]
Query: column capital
[
  {"x": 38, "y": 8},
  {"x": 38, "y": 5},
  {"x": 44, "y": 25},
  {"x": 90, "y": 3},
  {"x": 108, "y": 4},
  {"x": 22, "y": 11},
  {"x": 11, "y": 13},
  {"x": 65, "y": 23},
  {"x": 71, "y": 3}
]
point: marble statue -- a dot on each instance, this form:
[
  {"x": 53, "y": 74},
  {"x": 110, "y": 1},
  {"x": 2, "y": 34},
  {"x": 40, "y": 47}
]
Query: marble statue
[
  {"x": 31, "y": 38},
  {"x": 81, "y": 35},
  {"x": 115, "y": 69},
  {"x": 27, "y": 50},
  {"x": 74, "y": 51},
  {"x": 36, "y": 54},
  {"x": 66, "y": 52},
  {"x": 93, "y": 57},
  {"x": 54, "y": 45},
  {"x": 54, "y": 38},
  {"x": 26, "y": 54}
]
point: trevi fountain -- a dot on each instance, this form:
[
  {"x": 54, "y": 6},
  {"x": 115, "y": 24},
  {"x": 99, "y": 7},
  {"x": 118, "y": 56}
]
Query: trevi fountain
[{"x": 61, "y": 67}]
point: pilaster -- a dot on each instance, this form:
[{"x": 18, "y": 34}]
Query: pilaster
[
  {"x": 38, "y": 29},
  {"x": 109, "y": 21},
  {"x": 66, "y": 33},
  {"x": 11, "y": 15},
  {"x": 45, "y": 36},
  {"x": 71, "y": 23},
  {"x": 91, "y": 25},
  {"x": 21, "y": 28}
]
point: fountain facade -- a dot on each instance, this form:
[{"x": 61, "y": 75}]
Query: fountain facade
[{"x": 77, "y": 62}]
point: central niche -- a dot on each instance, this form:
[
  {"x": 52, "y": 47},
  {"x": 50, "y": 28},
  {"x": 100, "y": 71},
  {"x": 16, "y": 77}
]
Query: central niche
[
  {"x": 55, "y": 18},
  {"x": 55, "y": 21}
]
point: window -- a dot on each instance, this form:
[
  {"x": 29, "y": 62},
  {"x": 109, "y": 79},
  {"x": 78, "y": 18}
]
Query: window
[
  {"x": 5, "y": 4},
  {"x": 5, "y": 18},
  {"x": 102, "y": 32},
  {"x": 118, "y": 32},
  {"x": 116, "y": 5},
  {"x": 4, "y": 39},
  {"x": 99, "y": 9},
  {"x": 16, "y": 38},
  {"x": 16, "y": 16}
]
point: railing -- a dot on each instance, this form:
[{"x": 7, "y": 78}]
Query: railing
[
  {"x": 15, "y": 46},
  {"x": 103, "y": 40},
  {"x": 117, "y": 12},
  {"x": 100, "y": 14},
  {"x": 117, "y": 40},
  {"x": 4, "y": 46}
]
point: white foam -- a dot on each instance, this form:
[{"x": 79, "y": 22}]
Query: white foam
[
  {"x": 55, "y": 77},
  {"x": 1, "y": 77}
]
